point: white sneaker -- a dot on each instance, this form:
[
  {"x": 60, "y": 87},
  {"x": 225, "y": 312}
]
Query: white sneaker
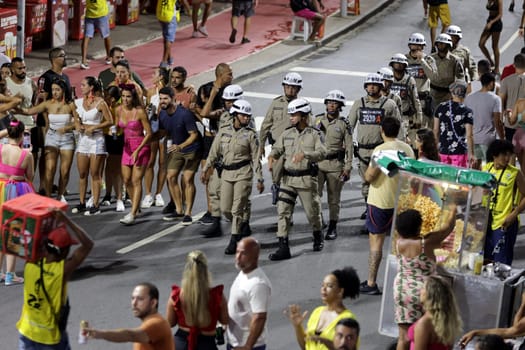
[
  {"x": 129, "y": 219},
  {"x": 63, "y": 199},
  {"x": 159, "y": 201},
  {"x": 89, "y": 203},
  {"x": 147, "y": 202},
  {"x": 120, "y": 205},
  {"x": 203, "y": 30},
  {"x": 84, "y": 66},
  {"x": 195, "y": 34}
]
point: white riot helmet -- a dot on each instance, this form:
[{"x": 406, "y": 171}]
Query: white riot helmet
[
  {"x": 444, "y": 38},
  {"x": 293, "y": 79},
  {"x": 373, "y": 78},
  {"x": 454, "y": 30},
  {"x": 241, "y": 106},
  {"x": 232, "y": 92},
  {"x": 386, "y": 73},
  {"x": 416, "y": 39},
  {"x": 399, "y": 58},
  {"x": 335, "y": 95},
  {"x": 299, "y": 105}
]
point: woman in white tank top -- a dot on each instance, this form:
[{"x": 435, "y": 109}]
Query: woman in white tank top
[
  {"x": 59, "y": 115},
  {"x": 94, "y": 115}
]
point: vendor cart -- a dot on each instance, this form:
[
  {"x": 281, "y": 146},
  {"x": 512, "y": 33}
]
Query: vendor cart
[{"x": 484, "y": 299}]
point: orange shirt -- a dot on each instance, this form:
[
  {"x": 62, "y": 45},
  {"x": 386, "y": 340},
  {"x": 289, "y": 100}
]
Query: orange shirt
[{"x": 159, "y": 333}]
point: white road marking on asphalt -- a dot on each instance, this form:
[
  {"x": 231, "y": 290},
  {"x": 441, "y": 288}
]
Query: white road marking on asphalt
[
  {"x": 272, "y": 96},
  {"x": 509, "y": 42},
  {"x": 330, "y": 71},
  {"x": 157, "y": 235}
]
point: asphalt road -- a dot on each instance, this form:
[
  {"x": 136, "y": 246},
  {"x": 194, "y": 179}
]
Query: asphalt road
[{"x": 153, "y": 250}]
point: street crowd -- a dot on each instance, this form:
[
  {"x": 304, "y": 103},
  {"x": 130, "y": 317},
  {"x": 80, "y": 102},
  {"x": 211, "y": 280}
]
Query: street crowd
[{"x": 440, "y": 106}]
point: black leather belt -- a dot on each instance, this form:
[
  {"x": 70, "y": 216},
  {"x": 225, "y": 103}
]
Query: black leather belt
[
  {"x": 297, "y": 172},
  {"x": 369, "y": 146},
  {"x": 236, "y": 166},
  {"x": 439, "y": 88},
  {"x": 332, "y": 156}
]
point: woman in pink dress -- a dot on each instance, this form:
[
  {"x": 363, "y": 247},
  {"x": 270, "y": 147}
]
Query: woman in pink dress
[{"x": 131, "y": 118}]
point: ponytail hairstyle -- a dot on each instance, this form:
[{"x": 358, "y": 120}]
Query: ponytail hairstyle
[
  {"x": 96, "y": 84},
  {"x": 195, "y": 292},
  {"x": 16, "y": 128}
]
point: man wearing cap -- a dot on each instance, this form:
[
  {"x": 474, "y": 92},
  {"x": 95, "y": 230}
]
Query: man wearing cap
[
  {"x": 42, "y": 323},
  {"x": 453, "y": 128},
  {"x": 443, "y": 70}
]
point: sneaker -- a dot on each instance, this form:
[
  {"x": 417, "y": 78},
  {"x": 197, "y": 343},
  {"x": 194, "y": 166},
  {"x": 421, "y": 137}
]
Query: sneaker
[
  {"x": 195, "y": 34},
  {"x": 108, "y": 60},
  {"x": 172, "y": 217},
  {"x": 147, "y": 202},
  {"x": 128, "y": 219},
  {"x": 63, "y": 199},
  {"x": 186, "y": 220},
  {"x": 92, "y": 211},
  {"x": 245, "y": 41},
  {"x": 120, "y": 205},
  {"x": 84, "y": 66},
  {"x": 203, "y": 30},
  {"x": 159, "y": 201},
  {"x": 169, "y": 209},
  {"x": 206, "y": 219},
  {"x": 164, "y": 65},
  {"x": 170, "y": 61},
  {"x": 364, "y": 288},
  {"x": 232, "y": 35},
  {"x": 89, "y": 203},
  {"x": 11, "y": 279},
  {"x": 106, "y": 201},
  {"x": 79, "y": 208}
]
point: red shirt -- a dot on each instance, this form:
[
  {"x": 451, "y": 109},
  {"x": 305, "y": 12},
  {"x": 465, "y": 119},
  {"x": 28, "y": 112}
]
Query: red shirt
[
  {"x": 508, "y": 70},
  {"x": 214, "y": 304}
]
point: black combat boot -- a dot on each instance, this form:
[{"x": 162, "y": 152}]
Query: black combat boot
[
  {"x": 331, "y": 234},
  {"x": 318, "y": 241},
  {"x": 232, "y": 246},
  {"x": 283, "y": 252},
  {"x": 245, "y": 229},
  {"x": 213, "y": 230}
]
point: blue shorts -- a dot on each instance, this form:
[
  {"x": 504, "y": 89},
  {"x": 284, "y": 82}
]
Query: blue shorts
[
  {"x": 499, "y": 244},
  {"x": 378, "y": 220},
  {"x": 100, "y": 23},
  {"x": 27, "y": 344},
  {"x": 169, "y": 29}
]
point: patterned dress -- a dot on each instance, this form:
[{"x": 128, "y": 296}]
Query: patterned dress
[{"x": 408, "y": 283}]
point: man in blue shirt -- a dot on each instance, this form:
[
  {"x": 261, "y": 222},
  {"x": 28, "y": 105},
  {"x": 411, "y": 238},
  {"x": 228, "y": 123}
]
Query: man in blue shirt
[{"x": 184, "y": 153}]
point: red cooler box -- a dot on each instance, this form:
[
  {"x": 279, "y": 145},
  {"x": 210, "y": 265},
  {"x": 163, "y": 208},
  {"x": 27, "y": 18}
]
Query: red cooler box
[
  {"x": 8, "y": 21},
  {"x": 127, "y": 11},
  {"x": 26, "y": 221},
  {"x": 36, "y": 12},
  {"x": 77, "y": 14}
]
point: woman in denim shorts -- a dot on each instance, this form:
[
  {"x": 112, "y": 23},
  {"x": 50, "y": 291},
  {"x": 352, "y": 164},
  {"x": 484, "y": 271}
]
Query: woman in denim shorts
[
  {"x": 60, "y": 115},
  {"x": 94, "y": 115}
]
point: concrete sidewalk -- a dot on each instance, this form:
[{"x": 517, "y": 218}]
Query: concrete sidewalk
[{"x": 269, "y": 45}]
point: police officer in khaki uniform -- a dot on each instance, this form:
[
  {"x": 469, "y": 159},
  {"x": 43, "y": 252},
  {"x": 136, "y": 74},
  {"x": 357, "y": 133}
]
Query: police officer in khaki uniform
[
  {"x": 388, "y": 78},
  {"x": 230, "y": 94},
  {"x": 277, "y": 120},
  {"x": 463, "y": 53},
  {"x": 302, "y": 148},
  {"x": 445, "y": 69},
  {"x": 238, "y": 146},
  {"x": 365, "y": 117},
  {"x": 404, "y": 85},
  {"x": 334, "y": 170},
  {"x": 416, "y": 44}
]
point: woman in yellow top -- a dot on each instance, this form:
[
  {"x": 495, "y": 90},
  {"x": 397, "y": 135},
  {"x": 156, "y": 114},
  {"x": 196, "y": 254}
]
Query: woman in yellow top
[
  {"x": 503, "y": 224},
  {"x": 320, "y": 328}
]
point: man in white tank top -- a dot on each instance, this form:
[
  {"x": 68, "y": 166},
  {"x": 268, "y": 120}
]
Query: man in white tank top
[{"x": 20, "y": 85}]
